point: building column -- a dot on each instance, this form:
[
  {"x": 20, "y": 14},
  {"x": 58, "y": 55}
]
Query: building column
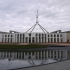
[
  {"x": 31, "y": 39},
  {"x": 16, "y": 38},
  {"x": 38, "y": 39},
  {"x": 56, "y": 38},
  {"x": 47, "y": 39},
  {"x": 59, "y": 38},
  {"x": 19, "y": 38},
  {"x": 28, "y": 39},
  {"x": 53, "y": 39},
  {"x": 22, "y": 38}
]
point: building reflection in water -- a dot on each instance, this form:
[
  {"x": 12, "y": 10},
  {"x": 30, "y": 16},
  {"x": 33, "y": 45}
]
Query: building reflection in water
[{"x": 36, "y": 55}]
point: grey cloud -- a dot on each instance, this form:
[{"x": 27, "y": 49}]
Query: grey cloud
[{"x": 20, "y": 15}]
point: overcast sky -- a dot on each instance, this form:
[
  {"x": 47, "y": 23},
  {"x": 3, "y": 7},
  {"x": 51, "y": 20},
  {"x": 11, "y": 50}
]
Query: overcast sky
[{"x": 20, "y": 15}]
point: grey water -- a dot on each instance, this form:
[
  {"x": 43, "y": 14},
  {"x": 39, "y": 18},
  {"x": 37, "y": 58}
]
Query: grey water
[
  {"x": 13, "y": 60},
  {"x": 5, "y": 64}
]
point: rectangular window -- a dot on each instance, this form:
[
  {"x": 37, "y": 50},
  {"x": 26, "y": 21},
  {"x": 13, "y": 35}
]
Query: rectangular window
[
  {"x": 11, "y": 35},
  {"x": 29, "y": 34},
  {"x": 48, "y": 35},
  {"x": 32, "y": 53},
  {"x": 45, "y": 35},
  {"x": 5, "y": 39},
  {"x": 5, "y": 35},
  {"x": 51, "y": 39},
  {"x": 8, "y": 39},
  {"x": 51, "y": 35},
  {"x": 11, "y": 39},
  {"x": 48, "y": 39},
  {"x": 54, "y": 39},
  {"x": 25, "y": 53},
  {"x": 45, "y": 39},
  {"x": 57, "y": 35},
  {"x": 36, "y": 40},
  {"x": 42, "y": 35},
  {"x": 8, "y": 35},
  {"x": 39, "y": 35},
  {"x": 54, "y": 35},
  {"x": 36, "y": 34},
  {"x": 23, "y": 35}
]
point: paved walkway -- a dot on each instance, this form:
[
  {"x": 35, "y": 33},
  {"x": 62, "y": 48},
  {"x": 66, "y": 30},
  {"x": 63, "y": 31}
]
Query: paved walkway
[{"x": 64, "y": 65}]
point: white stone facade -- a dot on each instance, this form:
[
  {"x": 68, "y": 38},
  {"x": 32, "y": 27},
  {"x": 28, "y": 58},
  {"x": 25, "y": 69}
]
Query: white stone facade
[{"x": 32, "y": 37}]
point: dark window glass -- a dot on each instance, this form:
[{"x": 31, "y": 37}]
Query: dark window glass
[
  {"x": 30, "y": 34},
  {"x": 36, "y": 34},
  {"x": 29, "y": 53},
  {"x": 39, "y": 35},
  {"x": 8, "y": 35},
  {"x": 45, "y": 35},
  {"x": 25, "y": 53},
  {"x": 11, "y": 39},
  {"x": 57, "y": 35},
  {"x": 54, "y": 35},
  {"x": 51, "y": 35},
  {"x": 11, "y": 35},
  {"x": 32, "y": 53},
  {"x": 48, "y": 35},
  {"x": 23, "y": 35},
  {"x": 42, "y": 35},
  {"x": 5, "y": 35},
  {"x": 8, "y": 39},
  {"x": 51, "y": 39},
  {"x": 29, "y": 57}
]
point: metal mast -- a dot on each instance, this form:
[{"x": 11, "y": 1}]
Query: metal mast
[
  {"x": 37, "y": 17},
  {"x": 37, "y": 23}
]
